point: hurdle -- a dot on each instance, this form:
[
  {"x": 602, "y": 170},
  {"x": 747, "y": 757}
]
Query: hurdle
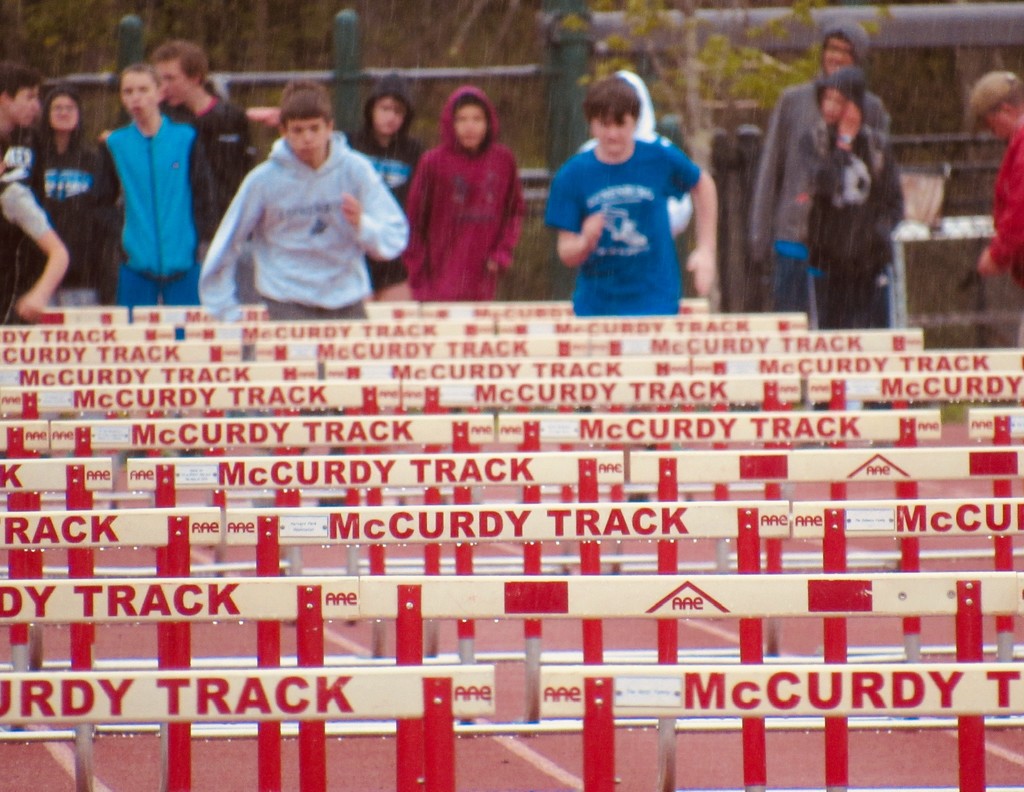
[
  {"x": 85, "y": 315},
  {"x": 465, "y": 691},
  {"x": 299, "y": 432},
  {"x": 156, "y": 352},
  {"x": 585, "y": 524},
  {"x": 777, "y": 322},
  {"x": 186, "y": 315},
  {"x": 636, "y": 392},
  {"x": 175, "y": 374},
  {"x": 86, "y": 334},
  {"x": 459, "y": 472},
  {"x": 658, "y": 596},
  {"x": 270, "y": 395}
]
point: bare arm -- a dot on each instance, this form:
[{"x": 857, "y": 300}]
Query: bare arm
[
  {"x": 33, "y": 303},
  {"x": 702, "y": 262},
  {"x": 573, "y": 248}
]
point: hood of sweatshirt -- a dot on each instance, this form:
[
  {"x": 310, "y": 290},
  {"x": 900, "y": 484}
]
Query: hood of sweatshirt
[
  {"x": 645, "y": 123},
  {"x": 852, "y": 33},
  {"x": 397, "y": 87},
  {"x": 447, "y": 123},
  {"x": 281, "y": 154}
]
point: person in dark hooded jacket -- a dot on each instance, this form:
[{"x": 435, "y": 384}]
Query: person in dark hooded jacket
[
  {"x": 856, "y": 202},
  {"x": 465, "y": 206},
  {"x": 76, "y": 186},
  {"x": 775, "y": 243},
  {"x": 384, "y": 138}
]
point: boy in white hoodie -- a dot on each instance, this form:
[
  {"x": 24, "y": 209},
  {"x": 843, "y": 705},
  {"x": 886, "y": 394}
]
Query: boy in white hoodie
[{"x": 315, "y": 209}]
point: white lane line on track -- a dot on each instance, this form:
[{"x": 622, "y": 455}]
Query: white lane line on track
[
  {"x": 539, "y": 761},
  {"x": 511, "y": 744},
  {"x": 996, "y": 750},
  {"x": 352, "y": 646},
  {"x": 1003, "y": 753},
  {"x": 65, "y": 759}
]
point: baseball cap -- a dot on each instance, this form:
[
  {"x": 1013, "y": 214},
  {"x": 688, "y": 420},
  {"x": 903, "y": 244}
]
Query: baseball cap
[{"x": 991, "y": 91}]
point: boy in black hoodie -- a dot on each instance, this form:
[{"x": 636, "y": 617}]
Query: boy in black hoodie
[
  {"x": 384, "y": 139},
  {"x": 855, "y": 204}
]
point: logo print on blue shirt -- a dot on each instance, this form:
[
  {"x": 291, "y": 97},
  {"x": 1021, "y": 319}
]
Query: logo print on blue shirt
[{"x": 318, "y": 227}]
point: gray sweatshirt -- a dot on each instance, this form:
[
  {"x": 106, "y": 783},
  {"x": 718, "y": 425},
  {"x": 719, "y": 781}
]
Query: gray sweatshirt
[{"x": 304, "y": 249}]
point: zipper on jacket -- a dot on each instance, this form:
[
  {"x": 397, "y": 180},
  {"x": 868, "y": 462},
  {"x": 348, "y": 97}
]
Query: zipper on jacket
[{"x": 156, "y": 214}]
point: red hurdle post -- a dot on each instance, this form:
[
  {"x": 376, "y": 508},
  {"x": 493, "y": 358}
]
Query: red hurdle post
[
  {"x": 409, "y": 735},
  {"x": 466, "y": 628},
  {"x": 174, "y": 639},
  {"x": 598, "y": 735},
  {"x": 837, "y": 727},
  {"x": 439, "y": 736},
  {"x": 590, "y": 564},
  {"x": 268, "y": 655},
  {"x": 532, "y": 556},
  {"x": 969, "y": 649},
  {"x": 81, "y": 563},
  {"x": 431, "y": 497},
  {"x": 755, "y": 754},
  {"x": 1003, "y": 546},
  {"x": 668, "y": 629},
  {"x": 309, "y": 628},
  {"x": 910, "y": 546},
  {"x": 24, "y": 564}
]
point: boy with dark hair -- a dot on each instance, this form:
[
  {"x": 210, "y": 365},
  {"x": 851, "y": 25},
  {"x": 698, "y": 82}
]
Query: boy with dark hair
[
  {"x": 19, "y": 110},
  {"x": 314, "y": 210},
  {"x": 25, "y": 290},
  {"x": 465, "y": 205},
  {"x": 856, "y": 203},
  {"x": 222, "y": 127},
  {"x": 384, "y": 139},
  {"x": 168, "y": 198},
  {"x": 608, "y": 205}
]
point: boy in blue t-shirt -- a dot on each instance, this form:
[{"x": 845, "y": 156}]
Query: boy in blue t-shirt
[{"x": 609, "y": 206}]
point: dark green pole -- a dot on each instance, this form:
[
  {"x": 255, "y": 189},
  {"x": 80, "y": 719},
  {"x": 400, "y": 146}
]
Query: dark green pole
[
  {"x": 129, "y": 42},
  {"x": 347, "y": 70},
  {"x": 567, "y": 62},
  {"x": 129, "y": 50}
]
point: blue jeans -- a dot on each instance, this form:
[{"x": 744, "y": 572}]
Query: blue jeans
[
  {"x": 792, "y": 287},
  {"x": 134, "y": 288}
]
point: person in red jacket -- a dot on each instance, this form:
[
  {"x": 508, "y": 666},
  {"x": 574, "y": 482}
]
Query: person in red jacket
[
  {"x": 465, "y": 206},
  {"x": 997, "y": 101}
]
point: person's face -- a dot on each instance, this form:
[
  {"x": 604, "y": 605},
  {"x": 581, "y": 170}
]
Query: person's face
[
  {"x": 470, "y": 126},
  {"x": 174, "y": 83},
  {"x": 836, "y": 54},
  {"x": 64, "y": 114},
  {"x": 387, "y": 116},
  {"x": 140, "y": 95},
  {"x": 309, "y": 139},
  {"x": 833, "y": 104},
  {"x": 1002, "y": 121},
  {"x": 614, "y": 138},
  {"x": 23, "y": 108}
]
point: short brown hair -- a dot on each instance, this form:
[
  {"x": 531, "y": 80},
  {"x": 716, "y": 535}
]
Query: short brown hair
[
  {"x": 141, "y": 68},
  {"x": 611, "y": 98},
  {"x": 191, "y": 56},
  {"x": 303, "y": 100}
]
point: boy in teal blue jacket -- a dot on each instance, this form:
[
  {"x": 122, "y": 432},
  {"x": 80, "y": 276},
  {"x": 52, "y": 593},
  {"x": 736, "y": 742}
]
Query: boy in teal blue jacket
[{"x": 168, "y": 198}]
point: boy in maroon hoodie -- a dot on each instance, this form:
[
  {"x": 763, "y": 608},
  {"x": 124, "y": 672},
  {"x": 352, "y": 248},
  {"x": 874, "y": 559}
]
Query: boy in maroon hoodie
[{"x": 465, "y": 206}]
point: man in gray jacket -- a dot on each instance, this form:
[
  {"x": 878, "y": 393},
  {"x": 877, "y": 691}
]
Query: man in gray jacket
[{"x": 777, "y": 239}]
